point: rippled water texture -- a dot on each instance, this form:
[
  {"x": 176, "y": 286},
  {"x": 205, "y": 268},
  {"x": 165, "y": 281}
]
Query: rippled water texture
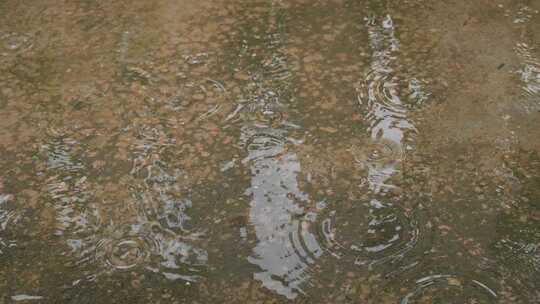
[{"x": 270, "y": 151}]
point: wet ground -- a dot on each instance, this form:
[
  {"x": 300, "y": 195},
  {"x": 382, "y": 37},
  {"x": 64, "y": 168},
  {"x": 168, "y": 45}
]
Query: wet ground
[{"x": 277, "y": 151}]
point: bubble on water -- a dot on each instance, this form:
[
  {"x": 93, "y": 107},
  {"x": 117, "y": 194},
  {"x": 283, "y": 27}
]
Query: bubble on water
[
  {"x": 381, "y": 88},
  {"x": 377, "y": 153},
  {"x": 276, "y": 68},
  {"x": 524, "y": 15},
  {"x": 15, "y": 42},
  {"x": 268, "y": 117},
  {"x": 381, "y": 158}
]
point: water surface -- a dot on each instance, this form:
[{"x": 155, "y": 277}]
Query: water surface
[{"x": 270, "y": 151}]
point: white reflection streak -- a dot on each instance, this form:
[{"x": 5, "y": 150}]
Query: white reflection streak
[
  {"x": 162, "y": 216},
  {"x": 285, "y": 246},
  {"x": 387, "y": 116},
  {"x": 530, "y": 76},
  {"x": 77, "y": 216}
]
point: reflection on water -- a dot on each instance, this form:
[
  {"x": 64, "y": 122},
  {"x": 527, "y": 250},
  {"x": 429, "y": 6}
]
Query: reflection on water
[
  {"x": 389, "y": 127},
  {"x": 391, "y": 133},
  {"x": 67, "y": 185},
  {"x": 530, "y": 76},
  {"x": 8, "y": 216},
  {"x": 285, "y": 248},
  {"x": 159, "y": 237},
  {"x": 383, "y": 231},
  {"x": 529, "y": 70},
  {"x": 155, "y": 237}
]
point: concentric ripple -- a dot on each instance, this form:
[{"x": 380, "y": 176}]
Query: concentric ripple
[
  {"x": 369, "y": 234},
  {"x": 150, "y": 246},
  {"x": 286, "y": 248},
  {"x": 126, "y": 253},
  {"x": 263, "y": 143},
  {"x": 384, "y": 96},
  {"x": 390, "y": 129},
  {"x": 378, "y": 153},
  {"x": 446, "y": 288},
  {"x": 160, "y": 238},
  {"x": 382, "y": 90},
  {"x": 382, "y": 158},
  {"x": 268, "y": 117},
  {"x": 377, "y": 230},
  {"x": 263, "y": 106}
]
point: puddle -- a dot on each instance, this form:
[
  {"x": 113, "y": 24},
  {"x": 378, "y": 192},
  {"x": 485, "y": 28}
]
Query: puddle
[{"x": 270, "y": 152}]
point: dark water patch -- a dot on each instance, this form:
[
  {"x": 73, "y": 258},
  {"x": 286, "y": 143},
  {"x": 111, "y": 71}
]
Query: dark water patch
[{"x": 517, "y": 243}]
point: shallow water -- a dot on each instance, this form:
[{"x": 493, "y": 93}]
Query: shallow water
[{"x": 270, "y": 151}]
